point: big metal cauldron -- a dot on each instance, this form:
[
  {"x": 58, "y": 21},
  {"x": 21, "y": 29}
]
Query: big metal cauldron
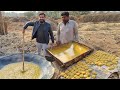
[{"x": 46, "y": 67}]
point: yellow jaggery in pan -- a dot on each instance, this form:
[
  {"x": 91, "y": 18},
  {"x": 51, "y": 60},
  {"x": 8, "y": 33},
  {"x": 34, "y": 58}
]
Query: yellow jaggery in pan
[
  {"x": 14, "y": 71},
  {"x": 68, "y": 52},
  {"x": 36, "y": 67}
]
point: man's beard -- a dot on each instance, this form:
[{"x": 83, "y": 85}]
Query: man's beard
[
  {"x": 65, "y": 21},
  {"x": 42, "y": 21}
]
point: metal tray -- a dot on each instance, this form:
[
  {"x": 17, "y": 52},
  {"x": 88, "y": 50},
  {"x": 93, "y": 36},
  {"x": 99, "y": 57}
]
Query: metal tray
[{"x": 72, "y": 61}]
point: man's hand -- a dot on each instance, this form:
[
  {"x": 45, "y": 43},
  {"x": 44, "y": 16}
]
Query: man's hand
[
  {"x": 58, "y": 42},
  {"x": 51, "y": 45},
  {"x": 23, "y": 31},
  {"x": 76, "y": 41}
]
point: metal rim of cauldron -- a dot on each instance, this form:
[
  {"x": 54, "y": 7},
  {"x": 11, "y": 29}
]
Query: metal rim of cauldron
[{"x": 48, "y": 63}]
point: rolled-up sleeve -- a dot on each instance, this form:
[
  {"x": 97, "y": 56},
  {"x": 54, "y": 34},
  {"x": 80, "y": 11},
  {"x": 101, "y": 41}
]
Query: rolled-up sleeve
[
  {"x": 76, "y": 37},
  {"x": 28, "y": 24},
  {"x": 51, "y": 34},
  {"x": 58, "y": 33}
]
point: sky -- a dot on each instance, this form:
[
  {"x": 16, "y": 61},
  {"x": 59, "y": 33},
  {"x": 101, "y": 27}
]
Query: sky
[{"x": 16, "y": 11}]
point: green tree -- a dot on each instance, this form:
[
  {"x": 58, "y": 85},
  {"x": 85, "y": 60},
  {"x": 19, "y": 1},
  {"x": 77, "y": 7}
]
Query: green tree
[{"x": 29, "y": 14}]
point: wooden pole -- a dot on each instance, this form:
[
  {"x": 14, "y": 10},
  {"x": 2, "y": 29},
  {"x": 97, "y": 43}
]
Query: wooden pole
[{"x": 23, "y": 54}]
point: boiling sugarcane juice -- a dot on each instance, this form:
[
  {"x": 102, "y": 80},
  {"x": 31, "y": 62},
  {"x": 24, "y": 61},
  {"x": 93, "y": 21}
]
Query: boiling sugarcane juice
[
  {"x": 14, "y": 71},
  {"x": 68, "y": 51}
]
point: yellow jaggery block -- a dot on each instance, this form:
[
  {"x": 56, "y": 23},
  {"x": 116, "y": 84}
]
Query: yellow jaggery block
[
  {"x": 84, "y": 71},
  {"x": 101, "y": 58},
  {"x": 93, "y": 76}
]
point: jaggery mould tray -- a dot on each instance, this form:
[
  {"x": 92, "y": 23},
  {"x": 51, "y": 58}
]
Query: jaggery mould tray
[{"x": 69, "y": 53}]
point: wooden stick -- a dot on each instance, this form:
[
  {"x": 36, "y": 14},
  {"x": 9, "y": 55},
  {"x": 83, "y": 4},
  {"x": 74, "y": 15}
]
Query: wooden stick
[
  {"x": 4, "y": 28},
  {"x": 23, "y": 53}
]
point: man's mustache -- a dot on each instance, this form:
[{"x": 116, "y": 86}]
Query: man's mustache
[{"x": 42, "y": 20}]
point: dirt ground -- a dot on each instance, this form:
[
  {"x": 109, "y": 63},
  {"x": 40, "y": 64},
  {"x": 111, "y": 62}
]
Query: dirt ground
[
  {"x": 12, "y": 42},
  {"x": 100, "y": 36}
]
